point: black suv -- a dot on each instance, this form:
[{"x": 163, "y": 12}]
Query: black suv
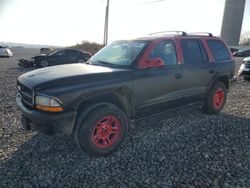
[{"x": 128, "y": 80}]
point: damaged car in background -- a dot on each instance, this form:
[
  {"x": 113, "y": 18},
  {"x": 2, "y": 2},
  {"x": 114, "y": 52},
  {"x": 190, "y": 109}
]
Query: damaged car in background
[{"x": 58, "y": 57}]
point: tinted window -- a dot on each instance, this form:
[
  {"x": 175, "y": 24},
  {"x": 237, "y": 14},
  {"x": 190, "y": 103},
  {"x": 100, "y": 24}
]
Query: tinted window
[
  {"x": 58, "y": 53},
  {"x": 71, "y": 52},
  {"x": 219, "y": 50},
  {"x": 247, "y": 52},
  {"x": 191, "y": 51},
  {"x": 166, "y": 51}
]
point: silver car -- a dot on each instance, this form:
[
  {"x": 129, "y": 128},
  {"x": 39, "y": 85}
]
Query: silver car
[
  {"x": 244, "y": 70},
  {"x": 5, "y": 52}
]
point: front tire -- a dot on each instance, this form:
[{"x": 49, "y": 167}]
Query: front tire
[
  {"x": 102, "y": 130},
  {"x": 44, "y": 63},
  {"x": 216, "y": 99}
]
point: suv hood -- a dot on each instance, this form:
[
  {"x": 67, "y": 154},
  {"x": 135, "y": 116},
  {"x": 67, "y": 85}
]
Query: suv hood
[{"x": 70, "y": 74}]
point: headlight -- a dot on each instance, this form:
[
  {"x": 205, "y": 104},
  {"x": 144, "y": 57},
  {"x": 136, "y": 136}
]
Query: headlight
[
  {"x": 48, "y": 104},
  {"x": 241, "y": 69}
]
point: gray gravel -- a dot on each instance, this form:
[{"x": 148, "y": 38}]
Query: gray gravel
[{"x": 191, "y": 149}]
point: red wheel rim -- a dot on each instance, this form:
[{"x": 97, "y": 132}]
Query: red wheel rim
[
  {"x": 106, "y": 132},
  {"x": 219, "y": 98}
]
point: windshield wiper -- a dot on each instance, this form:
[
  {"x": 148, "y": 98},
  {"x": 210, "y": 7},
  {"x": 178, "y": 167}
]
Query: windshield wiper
[
  {"x": 89, "y": 62},
  {"x": 106, "y": 63}
]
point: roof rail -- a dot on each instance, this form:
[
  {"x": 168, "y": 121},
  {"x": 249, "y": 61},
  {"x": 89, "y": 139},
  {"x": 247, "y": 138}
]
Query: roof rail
[
  {"x": 183, "y": 33},
  {"x": 202, "y": 33}
]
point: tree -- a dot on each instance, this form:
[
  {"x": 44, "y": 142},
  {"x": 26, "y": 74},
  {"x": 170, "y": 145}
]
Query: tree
[{"x": 245, "y": 39}]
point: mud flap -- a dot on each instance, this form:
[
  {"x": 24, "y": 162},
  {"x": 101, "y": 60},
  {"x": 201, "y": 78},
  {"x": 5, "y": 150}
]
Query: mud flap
[{"x": 25, "y": 123}]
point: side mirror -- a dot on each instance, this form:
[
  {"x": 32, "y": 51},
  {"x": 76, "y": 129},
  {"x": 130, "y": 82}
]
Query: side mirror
[{"x": 152, "y": 63}]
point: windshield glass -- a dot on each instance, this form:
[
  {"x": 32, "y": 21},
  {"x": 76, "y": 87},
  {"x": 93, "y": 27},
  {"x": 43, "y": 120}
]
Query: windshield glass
[{"x": 119, "y": 53}]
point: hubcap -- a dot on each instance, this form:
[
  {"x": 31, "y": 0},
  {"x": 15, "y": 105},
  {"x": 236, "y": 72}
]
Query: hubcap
[
  {"x": 219, "y": 98},
  {"x": 106, "y": 132},
  {"x": 44, "y": 63}
]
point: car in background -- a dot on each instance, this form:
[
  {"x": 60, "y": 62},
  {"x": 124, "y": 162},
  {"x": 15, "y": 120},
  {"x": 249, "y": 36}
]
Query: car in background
[
  {"x": 46, "y": 51},
  {"x": 244, "y": 70},
  {"x": 242, "y": 53},
  {"x": 233, "y": 50},
  {"x": 5, "y": 52},
  {"x": 59, "y": 57}
]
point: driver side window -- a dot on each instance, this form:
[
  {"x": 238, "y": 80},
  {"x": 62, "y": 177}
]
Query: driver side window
[{"x": 165, "y": 50}]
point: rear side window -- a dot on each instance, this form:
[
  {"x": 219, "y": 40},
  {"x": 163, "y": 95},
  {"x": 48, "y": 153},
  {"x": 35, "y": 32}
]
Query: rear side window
[
  {"x": 193, "y": 51},
  {"x": 72, "y": 52},
  {"x": 219, "y": 50}
]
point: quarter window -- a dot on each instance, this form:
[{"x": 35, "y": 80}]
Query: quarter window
[
  {"x": 165, "y": 50},
  {"x": 219, "y": 50}
]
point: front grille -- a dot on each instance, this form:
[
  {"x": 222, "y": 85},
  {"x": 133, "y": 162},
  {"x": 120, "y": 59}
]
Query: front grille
[{"x": 26, "y": 95}]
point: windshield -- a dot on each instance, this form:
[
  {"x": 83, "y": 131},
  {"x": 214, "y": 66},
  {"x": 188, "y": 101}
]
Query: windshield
[
  {"x": 58, "y": 52},
  {"x": 119, "y": 53}
]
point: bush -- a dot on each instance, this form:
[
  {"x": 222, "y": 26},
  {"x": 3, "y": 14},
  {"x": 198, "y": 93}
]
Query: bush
[{"x": 87, "y": 46}]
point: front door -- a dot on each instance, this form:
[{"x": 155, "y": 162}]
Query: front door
[{"x": 159, "y": 88}]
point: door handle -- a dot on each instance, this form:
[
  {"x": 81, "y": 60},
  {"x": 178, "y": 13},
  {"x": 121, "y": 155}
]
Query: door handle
[{"x": 178, "y": 75}]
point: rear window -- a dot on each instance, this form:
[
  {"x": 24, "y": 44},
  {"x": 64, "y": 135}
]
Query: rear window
[
  {"x": 193, "y": 51},
  {"x": 219, "y": 50}
]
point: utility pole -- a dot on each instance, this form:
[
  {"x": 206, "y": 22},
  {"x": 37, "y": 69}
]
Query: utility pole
[
  {"x": 105, "y": 40},
  {"x": 232, "y": 21}
]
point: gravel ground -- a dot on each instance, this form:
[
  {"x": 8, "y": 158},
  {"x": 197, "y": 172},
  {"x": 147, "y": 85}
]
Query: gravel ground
[{"x": 188, "y": 150}]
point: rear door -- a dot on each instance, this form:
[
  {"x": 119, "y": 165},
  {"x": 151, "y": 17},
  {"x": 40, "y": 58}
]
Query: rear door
[
  {"x": 72, "y": 56},
  {"x": 198, "y": 70},
  {"x": 159, "y": 89}
]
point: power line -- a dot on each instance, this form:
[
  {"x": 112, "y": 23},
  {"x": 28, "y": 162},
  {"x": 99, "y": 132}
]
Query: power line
[{"x": 150, "y": 2}]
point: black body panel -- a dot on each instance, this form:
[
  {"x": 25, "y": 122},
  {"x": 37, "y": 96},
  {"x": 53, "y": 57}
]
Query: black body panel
[{"x": 158, "y": 89}]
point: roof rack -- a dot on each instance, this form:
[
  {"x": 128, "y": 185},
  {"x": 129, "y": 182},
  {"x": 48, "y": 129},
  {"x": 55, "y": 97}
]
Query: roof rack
[
  {"x": 202, "y": 33},
  {"x": 183, "y": 33}
]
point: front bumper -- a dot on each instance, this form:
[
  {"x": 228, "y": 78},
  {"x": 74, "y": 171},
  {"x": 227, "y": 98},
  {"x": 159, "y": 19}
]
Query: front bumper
[
  {"x": 52, "y": 123},
  {"x": 244, "y": 74},
  {"x": 244, "y": 70}
]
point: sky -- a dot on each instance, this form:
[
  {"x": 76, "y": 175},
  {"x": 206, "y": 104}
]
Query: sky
[{"x": 68, "y": 22}]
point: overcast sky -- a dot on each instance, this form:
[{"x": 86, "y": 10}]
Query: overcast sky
[{"x": 67, "y": 22}]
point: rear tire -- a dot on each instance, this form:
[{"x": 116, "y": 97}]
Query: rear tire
[
  {"x": 102, "y": 130},
  {"x": 216, "y": 99}
]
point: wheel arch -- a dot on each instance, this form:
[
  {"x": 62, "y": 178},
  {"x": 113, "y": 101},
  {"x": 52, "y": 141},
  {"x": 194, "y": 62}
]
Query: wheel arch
[
  {"x": 117, "y": 99},
  {"x": 121, "y": 98},
  {"x": 223, "y": 79}
]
